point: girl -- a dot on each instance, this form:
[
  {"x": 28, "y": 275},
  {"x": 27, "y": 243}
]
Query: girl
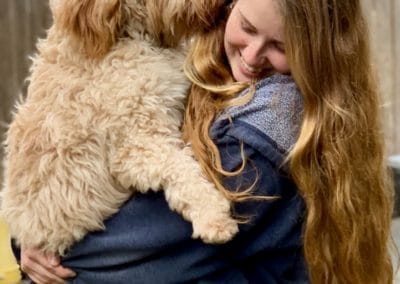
[{"x": 318, "y": 156}]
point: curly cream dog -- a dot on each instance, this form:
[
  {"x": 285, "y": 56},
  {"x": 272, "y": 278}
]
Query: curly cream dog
[{"x": 102, "y": 119}]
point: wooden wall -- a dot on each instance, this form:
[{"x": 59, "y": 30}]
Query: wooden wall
[
  {"x": 383, "y": 17},
  {"x": 23, "y": 21}
]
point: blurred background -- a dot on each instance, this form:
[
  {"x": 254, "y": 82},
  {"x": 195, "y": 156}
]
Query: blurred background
[{"x": 22, "y": 22}]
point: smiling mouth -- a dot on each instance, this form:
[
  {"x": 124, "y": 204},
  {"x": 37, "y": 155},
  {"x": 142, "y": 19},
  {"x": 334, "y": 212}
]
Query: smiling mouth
[{"x": 251, "y": 70}]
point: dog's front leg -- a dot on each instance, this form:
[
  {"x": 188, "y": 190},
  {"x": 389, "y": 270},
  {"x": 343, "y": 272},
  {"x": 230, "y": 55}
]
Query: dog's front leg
[
  {"x": 151, "y": 165},
  {"x": 191, "y": 194}
]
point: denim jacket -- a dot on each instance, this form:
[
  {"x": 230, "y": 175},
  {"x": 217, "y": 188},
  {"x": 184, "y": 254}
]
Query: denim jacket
[{"x": 145, "y": 242}]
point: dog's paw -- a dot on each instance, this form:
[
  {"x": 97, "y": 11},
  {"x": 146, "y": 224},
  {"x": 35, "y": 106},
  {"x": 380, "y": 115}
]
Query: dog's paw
[{"x": 215, "y": 230}]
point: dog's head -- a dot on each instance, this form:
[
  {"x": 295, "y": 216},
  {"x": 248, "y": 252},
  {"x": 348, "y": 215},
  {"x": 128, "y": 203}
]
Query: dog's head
[{"x": 98, "y": 24}]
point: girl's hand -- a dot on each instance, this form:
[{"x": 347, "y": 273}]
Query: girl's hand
[{"x": 44, "y": 268}]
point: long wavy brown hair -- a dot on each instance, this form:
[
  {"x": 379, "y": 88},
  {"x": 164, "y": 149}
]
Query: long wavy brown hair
[{"x": 338, "y": 161}]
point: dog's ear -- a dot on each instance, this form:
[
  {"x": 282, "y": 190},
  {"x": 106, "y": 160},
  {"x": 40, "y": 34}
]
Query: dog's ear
[
  {"x": 95, "y": 24},
  {"x": 171, "y": 20}
]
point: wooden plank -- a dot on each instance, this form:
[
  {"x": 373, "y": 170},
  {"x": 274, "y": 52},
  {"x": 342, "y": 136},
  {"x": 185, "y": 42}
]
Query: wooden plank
[
  {"x": 380, "y": 16},
  {"x": 11, "y": 71},
  {"x": 4, "y": 51},
  {"x": 21, "y": 22},
  {"x": 6, "y": 71},
  {"x": 396, "y": 78}
]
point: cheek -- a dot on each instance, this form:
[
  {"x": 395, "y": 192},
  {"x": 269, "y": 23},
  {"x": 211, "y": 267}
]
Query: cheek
[
  {"x": 233, "y": 37},
  {"x": 279, "y": 62}
]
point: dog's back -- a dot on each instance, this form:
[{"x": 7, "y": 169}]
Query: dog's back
[{"x": 97, "y": 123}]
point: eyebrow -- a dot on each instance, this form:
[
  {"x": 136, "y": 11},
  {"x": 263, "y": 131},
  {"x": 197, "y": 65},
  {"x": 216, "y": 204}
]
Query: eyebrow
[
  {"x": 279, "y": 41},
  {"x": 247, "y": 21}
]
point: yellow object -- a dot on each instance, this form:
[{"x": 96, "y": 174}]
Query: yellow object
[{"x": 9, "y": 269}]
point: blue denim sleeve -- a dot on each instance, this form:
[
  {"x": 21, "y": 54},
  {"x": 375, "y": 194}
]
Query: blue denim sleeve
[{"x": 268, "y": 249}]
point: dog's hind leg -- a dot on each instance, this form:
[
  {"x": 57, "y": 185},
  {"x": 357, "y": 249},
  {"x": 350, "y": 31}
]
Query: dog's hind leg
[{"x": 54, "y": 196}]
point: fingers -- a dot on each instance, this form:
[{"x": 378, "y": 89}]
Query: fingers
[
  {"x": 43, "y": 279},
  {"x": 39, "y": 273},
  {"x": 43, "y": 268}
]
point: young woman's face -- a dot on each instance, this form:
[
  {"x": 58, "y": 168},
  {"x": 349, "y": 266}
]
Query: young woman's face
[{"x": 254, "y": 40}]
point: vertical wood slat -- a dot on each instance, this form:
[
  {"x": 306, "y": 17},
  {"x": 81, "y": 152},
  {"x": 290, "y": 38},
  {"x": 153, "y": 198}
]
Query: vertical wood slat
[
  {"x": 21, "y": 23},
  {"x": 396, "y": 78},
  {"x": 385, "y": 42},
  {"x": 392, "y": 132}
]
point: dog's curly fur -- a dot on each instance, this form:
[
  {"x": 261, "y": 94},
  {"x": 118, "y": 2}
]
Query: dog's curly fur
[{"x": 102, "y": 119}]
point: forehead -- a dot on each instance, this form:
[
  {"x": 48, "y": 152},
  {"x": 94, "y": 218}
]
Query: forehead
[{"x": 264, "y": 15}]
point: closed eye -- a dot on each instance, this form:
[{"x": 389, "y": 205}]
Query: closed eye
[
  {"x": 280, "y": 46},
  {"x": 248, "y": 29},
  {"x": 246, "y": 25}
]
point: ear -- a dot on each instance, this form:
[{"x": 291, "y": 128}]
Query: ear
[
  {"x": 95, "y": 24},
  {"x": 171, "y": 20},
  {"x": 205, "y": 13}
]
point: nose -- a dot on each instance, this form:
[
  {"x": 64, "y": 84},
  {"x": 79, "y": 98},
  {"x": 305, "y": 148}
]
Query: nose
[{"x": 254, "y": 54}]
